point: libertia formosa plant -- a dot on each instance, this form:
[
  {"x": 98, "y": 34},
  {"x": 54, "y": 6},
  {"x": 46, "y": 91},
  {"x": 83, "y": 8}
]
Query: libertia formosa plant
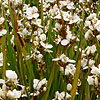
[{"x": 49, "y": 50}]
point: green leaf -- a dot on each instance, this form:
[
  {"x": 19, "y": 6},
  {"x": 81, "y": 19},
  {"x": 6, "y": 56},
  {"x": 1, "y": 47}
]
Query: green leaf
[{"x": 74, "y": 88}]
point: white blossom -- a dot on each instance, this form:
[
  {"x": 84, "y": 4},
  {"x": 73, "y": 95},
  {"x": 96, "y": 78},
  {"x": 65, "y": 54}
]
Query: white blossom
[
  {"x": 98, "y": 37},
  {"x": 96, "y": 81},
  {"x": 3, "y": 32},
  {"x": 90, "y": 80},
  {"x": 88, "y": 34},
  {"x": 88, "y": 24},
  {"x": 46, "y": 46},
  {"x": 84, "y": 62},
  {"x": 1, "y": 20},
  {"x": 68, "y": 95},
  {"x": 42, "y": 37},
  {"x": 1, "y": 59},
  {"x": 95, "y": 70},
  {"x": 70, "y": 69},
  {"x": 97, "y": 25},
  {"x": 60, "y": 96},
  {"x": 11, "y": 75},
  {"x": 69, "y": 87},
  {"x": 64, "y": 42},
  {"x": 81, "y": 1},
  {"x": 91, "y": 62},
  {"x": 91, "y": 49},
  {"x": 14, "y": 94},
  {"x": 37, "y": 84}
]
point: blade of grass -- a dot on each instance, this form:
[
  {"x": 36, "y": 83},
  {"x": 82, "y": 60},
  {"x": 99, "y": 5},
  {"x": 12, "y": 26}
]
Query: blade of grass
[
  {"x": 87, "y": 92},
  {"x": 74, "y": 88},
  {"x": 18, "y": 38},
  {"x": 98, "y": 9},
  {"x": 9, "y": 47},
  {"x": 42, "y": 20},
  {"x": 4, "y": 56}
]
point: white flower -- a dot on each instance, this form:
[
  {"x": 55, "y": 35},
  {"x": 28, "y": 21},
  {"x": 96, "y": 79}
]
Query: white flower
[
  {"x": 88, "y": 0},
  {"x": 81, "y": 1},
  {"x": 95, "y": 70},
  {"x": 37, "y": 22},
  {"x": 17, "y": 94},
  {"x": 37, "y": 84},
  {"x": 69, "y": 35},
  {"x": 91, "y": 62},
  {"x": 63, "y": 58},
  {"x": 44, "y": 89},
  {"x": 36, "y": 93},
  {"x": 90, "y": 80},
  {"x": 62, "y": 69},
  {"x": 70, "y": 69},
  {"x": 47, "y": 50},
  {"x": 11, "y": 75},
  {"x": 58, "y": 39},
  {"x": 70, "y": 5},
  {"x": 1, "y": 20},
  {"x": 60, "y": 96},
  {"x": 96, "y": 81},
  {"x": 67, "y": 70},
  {"x": 69, "y": 87},
  {"x": 98, "y": 37},
  {"x": 22, "y": 88},
  {"x": 88, "y": 34},
  {"x": 46, "y": 46},
  {"x": 57, "y": 26},
  {"x": 3, "y": 32},
  {"x": 31, "y": 12},
  {"x": 10, "y": 94},
  {"x": 39, "y": 57},
  {"x": 66, "y": 16},
  {"x": 84, "y": 62},
  {"x": 4, "y": 87},
  {"x": 94, "y": 21},
  {"x": 91, "y": 49},
  {"x": 50, "y": 1},
  {"x": 57, "y": 17},
  {"x": 68, "y": 95},
  {"x": 75, "y": 18},
  {"x": 1, "y": 59},
  {"x": 36, "y": 43},
  {"x": 43, "y": 81},
  {"x": 79, "y": 82},
  {"x": 91, "y": 16},
  {"x": 88, "y": 24},
  {"x": 14, "y": 94},
  {"x": 64, "y": 42},
  {"x": 97, "y": 25},
  {"x": 36, "y": 15},
  {"x": 16, "y": 2},
  {"x": 42, "y": 37},
  {"x": 2, "y": 93},
  {"x": 2, "y": 81},
  {"x": 56, "y": 59}
]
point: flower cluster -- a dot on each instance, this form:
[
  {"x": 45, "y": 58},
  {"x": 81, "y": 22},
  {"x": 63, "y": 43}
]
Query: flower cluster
[
  {"x": 10, "y": 85},
  {"x": 39, "y": 86},
  {"x": 93, "y": 78}
]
